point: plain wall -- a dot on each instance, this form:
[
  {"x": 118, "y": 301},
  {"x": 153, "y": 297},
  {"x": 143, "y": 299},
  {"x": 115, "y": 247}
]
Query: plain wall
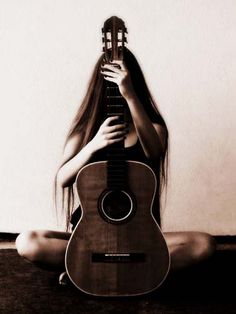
[{"x": 187, "y": 51}]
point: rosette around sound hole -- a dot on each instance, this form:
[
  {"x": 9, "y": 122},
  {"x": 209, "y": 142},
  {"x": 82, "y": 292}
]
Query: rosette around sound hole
[{"x": 116, "y": 206}]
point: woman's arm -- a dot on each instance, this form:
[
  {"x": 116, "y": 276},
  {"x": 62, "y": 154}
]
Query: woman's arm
[
  {"x": 74, "y": 158},
  {"x": 152, "y": 136}
]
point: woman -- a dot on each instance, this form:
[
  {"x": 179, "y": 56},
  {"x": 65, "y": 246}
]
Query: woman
[{"x": 146, "y": 139}]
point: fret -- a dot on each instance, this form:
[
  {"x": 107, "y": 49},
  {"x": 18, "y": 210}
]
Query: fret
[
  {"x": 115, "y": 180},
  {"x": 117, "y": 106},
  {"x": 121, "y": 164},
  {"x": 112, "y": 87},
  {"x": 117, "y": 154},
  {"x": 121, "y": 147},
  {"x": 113, "y": 91},
  {"x": 113, "y": 150},
  {"x": 118, "y": 175},
  {"x": 114, "y": 97},
  {"x": 116, "y": 186},
  {"x": 115, "y": 114},
  {"x": 116, "y": 170}
]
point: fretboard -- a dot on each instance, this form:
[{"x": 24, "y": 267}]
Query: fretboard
[{"x": 116, "y": 165}]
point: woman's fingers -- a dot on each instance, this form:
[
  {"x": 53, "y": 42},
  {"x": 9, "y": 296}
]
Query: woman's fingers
[
  {"x": 116, "y": 127},
  {"x": 120, "y": 63},
  {"x": 112, "y": 68},
  {"x": 114, "y": 132},
  {"x": 112, "y": 141},
  {"x": 110, "y": 74},
  {"x": 115, "y": 135},
  {"x": 113, "y": 73},
  {"x": 116, "y": 75},
  {"x": 114, "y": 80},
  {"x": 109, "y": 120}
]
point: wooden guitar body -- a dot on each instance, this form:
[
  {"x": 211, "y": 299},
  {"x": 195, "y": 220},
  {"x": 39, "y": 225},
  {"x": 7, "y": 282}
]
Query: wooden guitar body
[{"x": 117, "y": 248}]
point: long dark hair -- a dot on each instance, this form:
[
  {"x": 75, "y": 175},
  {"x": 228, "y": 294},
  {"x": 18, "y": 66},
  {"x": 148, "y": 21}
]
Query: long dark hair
[{"x": 91, "y": 114}]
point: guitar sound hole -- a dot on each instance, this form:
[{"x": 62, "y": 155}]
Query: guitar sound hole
[{"x": 116, "y": 206}]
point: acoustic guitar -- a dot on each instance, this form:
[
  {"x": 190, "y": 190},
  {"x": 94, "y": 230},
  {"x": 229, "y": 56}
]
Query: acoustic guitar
[{"x": 117, "y": 247}]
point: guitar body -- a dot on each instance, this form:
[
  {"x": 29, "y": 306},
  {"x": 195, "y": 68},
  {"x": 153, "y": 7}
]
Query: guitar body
[{"x": 117, "y": 254}]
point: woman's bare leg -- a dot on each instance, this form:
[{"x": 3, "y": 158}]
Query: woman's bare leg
[
  {"x": 43, "y": 247},
  {"x": 48, "y": 247},
  {"x": 189, "y": 248}
]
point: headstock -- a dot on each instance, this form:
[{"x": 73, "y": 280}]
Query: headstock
[{"x": 114, "y": 38}]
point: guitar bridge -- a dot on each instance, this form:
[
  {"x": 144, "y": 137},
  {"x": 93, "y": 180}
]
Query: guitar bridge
[{"x": 118, "y": 257}]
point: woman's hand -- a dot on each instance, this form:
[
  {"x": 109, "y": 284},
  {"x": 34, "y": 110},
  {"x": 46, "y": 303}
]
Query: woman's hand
[
  {"x": 120, "y": 76},
  {"x": 108, "y": 135}
]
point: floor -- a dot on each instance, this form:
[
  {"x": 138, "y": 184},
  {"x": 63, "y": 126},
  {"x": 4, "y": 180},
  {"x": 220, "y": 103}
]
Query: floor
[{"x": 206, "y": 288}]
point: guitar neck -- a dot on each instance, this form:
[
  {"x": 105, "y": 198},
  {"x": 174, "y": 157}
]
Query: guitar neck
[
  {"x": 114, "y": 39},
  {"x": 116, "y": 166},
  {"x": 115, "y": 103}
]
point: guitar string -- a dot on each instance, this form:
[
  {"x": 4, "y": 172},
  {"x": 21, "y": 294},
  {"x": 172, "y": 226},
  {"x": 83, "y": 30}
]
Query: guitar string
[
  {"x": 107, "y": 103},
  {"x": 109, "y": 177},
  {"x": 112, "y": 102}
]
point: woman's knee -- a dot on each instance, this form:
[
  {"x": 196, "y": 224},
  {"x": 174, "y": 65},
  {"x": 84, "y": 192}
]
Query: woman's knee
[
  {"x": 203, "y": 245},
  {"x": 28, "y": 245}
]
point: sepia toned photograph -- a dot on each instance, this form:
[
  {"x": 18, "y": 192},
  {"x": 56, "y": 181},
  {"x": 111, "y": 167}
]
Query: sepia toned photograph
[{"x": 118, "y": 157}]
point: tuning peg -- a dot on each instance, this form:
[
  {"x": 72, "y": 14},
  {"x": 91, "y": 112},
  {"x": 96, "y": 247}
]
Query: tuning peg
[
  {"x": 103, "y": 29},
  {"x": 103, "y": 39},
  {"x": 126, "y": 30}
]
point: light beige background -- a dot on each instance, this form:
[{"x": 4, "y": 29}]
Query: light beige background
[{"x": 187, "y": 51}]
